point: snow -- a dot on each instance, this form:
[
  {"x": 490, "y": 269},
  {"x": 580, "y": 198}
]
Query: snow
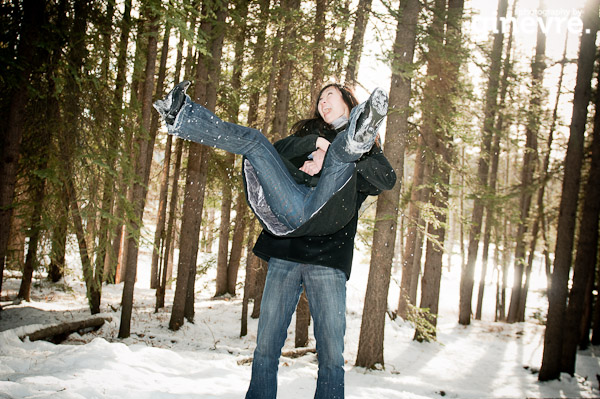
[{"x": 207, "y": 359}]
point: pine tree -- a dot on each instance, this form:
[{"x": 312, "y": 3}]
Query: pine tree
[
  {"x": 467, "y": 279},
  {"x": 557, "y": 296},
  {"x": 370, "y": 348}
]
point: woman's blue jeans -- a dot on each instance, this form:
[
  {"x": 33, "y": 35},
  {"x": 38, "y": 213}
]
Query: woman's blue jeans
[
  {"x": 293, "y": 203},
  {"x": 326, "y": 292}
]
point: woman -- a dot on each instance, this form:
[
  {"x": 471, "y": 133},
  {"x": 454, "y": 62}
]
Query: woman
[{"x": 284, "y": 206}]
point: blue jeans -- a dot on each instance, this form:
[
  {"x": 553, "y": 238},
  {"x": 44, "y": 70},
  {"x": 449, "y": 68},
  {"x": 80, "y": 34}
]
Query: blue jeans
[
  {"x": 292, "y": 203},
  {"x": 326, "y": 292}
]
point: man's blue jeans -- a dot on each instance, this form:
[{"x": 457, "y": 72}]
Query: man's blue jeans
[
  {"x": 326, "y": 292},
  {"x": 292, "y": 203}
]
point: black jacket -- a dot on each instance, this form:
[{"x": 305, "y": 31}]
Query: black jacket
[{"x": 373, "y": 175}]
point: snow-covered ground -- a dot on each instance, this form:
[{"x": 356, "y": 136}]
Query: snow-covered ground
[{"x": 206, "y": 359}]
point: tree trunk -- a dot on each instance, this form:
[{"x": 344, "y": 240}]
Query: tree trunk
[
  {"x": 356, "y": 46},
  {"x": 145, "y": 146},
  {"x": 491, "y": 98},
  {"x": 586, "y": 256},
  {"x": 370, "y": 348},
  {"x": 241, "y": 211},
  {"x": 440, "y": 143},
  {"x": 557, "y": 297},
  {"x": 540, "y": 220},
  {"x": 302, "y": 322},
  {"x": 158, "y": 250},
  {"x": 226, "y": 200},
  {"x": 38, "y": 185},
  {"x": 112, "y": 259},
  {"x": 162, "y": 287},
  {"x": 10, "y": 142},
  {"x": 159, "y": 234},
  {"x": 286, "y": 64},
  {"x": 412, "y": 235},
  {"x": 516, "y": 311},
  {"x": 318, "y": 52},
  {"x": 249, "y": 279},
  {"x": 262, "y": 268},
  {"x": 490, "y": 220},
  {"x": 213, "y": 74},
  {"x": 59, "y": 238},
  {"x": 204, "y": 93}
]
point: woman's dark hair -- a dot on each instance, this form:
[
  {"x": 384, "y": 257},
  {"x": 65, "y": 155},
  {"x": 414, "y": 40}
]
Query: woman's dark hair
[{"x": 303, "y": 126}]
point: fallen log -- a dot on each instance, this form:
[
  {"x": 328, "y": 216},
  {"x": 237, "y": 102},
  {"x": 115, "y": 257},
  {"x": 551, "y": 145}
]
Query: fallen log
[
  {"x": 57, "y": 333},
  {"x": 291, "y": 354}
]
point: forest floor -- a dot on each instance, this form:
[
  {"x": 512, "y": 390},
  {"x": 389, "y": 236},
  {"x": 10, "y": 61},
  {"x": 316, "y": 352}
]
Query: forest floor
[{"x": 208, "y": 359}]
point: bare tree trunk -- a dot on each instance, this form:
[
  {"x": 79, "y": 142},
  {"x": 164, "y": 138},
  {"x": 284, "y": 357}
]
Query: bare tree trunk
[
  {"x": 557, "y": 297},
  {"x": 241, "y": 212},
  {"x": 205, "y": 93},
  {"x": 223, "y": 253},
  {"x": 37, "y": 185},
  {"x": 145, "y": 146},
  {"x": 493, "y": 175},
  {"x": 318, "y": 52},
  {"x": 10, "y": 139},
  {"x": 370, "y": 347},
  {"x": 441, "y": 144},
  {"x": 360, "y": 27},
  {"x": 287, "y": 61},
  {"x": 586, "y": 256},
  {"x": 516, "y": 311},
  {"x": 491, "y": 98},
  {"x": 540, "y": 220},
  {"x": 159, "y": 238},
  {"x": 249, "y": 280},
  {"x": 341, "y": 17},
  {"x": 59, "y": 238},
  {"x": 261, "y": 276},
  {"x": 413, "y": 234},
  {"x": 112, "y": 258},
  {"x": 302, "y": 322},
  {"x": 164, "y": 276}
]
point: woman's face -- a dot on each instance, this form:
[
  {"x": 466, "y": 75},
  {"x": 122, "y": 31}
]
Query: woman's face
[{"x": 331, "y": 105}]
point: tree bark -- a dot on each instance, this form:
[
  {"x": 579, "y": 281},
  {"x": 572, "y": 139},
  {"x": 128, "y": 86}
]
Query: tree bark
[
  {"x": 144, "y": 146},
  {"x": 490, "y": 219},
  {"x": 491, "y": 98},
  {"x": 286, "y": 64},
  {"x": 412, "y": 236},
  {"x": 586, "y": 256},
  {"x": 250, "y": 278},
  {"x": 241, "y": 211},
  {"x": 516, "y": 310},
  {"x": 204, "y": 93},
  {"x": 111, "y": 264},
  {"x": 370, "y": 347},
  {"x": 159, "y": 235},
  {"x": 356, "y": 46},
  {"x": 557, "y": 296},
  {"x": 58, "y": 333},
  {"x": 162, "y": 286},
  {"x": 226, "y": 201},
  {"x": 440, "y": 143},
  {"x": 10, "y": 141}
]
